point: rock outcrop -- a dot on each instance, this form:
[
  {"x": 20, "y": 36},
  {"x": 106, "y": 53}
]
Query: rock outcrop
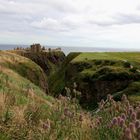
[{"x": 48, "y": 61}]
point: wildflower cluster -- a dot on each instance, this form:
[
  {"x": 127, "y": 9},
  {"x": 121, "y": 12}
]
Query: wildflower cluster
[
  {"x": 120, "y": 118},
  {"x": 63, "y": 118}
]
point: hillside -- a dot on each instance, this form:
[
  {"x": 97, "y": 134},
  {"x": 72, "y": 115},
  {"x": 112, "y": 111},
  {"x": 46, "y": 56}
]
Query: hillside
[
  {"x": 99, "y": 74},
  {"x": 48, "y": 61},
  {"x": 25, "y": 67},
  {"x": 57, "y": 79},
  {"x": 27, "y": 113}
]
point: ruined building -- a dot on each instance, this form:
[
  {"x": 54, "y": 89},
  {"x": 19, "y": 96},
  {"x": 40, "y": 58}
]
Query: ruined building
[{"x": 36, "y": 48}]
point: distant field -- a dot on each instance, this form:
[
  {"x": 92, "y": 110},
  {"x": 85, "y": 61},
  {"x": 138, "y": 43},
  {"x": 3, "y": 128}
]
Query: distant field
[{"x": 130, "y": 56}]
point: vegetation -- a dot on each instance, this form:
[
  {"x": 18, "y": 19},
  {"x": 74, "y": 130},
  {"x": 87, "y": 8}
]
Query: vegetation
[
  {"x": 99, "y": 74},
  {"x": 63, "y": 118},
  {"x": 129, "y": 56},
  {"x": 49, "y": 61},
  {"x": 24, "y": 67},
  {"x": 57, "y": 79},
  {"x": 28, "y": 113}
]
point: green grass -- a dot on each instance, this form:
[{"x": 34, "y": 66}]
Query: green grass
[
  {"x": 26, "y": 112},
  {"x": 108, "y": 56},
  {"x": 132, "y": 57},
  {"x": 57, "y": 79},
  {"x": 24, "y": 67}
]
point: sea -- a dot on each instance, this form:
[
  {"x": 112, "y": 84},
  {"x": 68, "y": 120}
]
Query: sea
[{"x": 68, "y": 49}]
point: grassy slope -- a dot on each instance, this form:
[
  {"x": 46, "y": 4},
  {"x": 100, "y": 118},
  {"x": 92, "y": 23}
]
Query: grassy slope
[
  {"x": 24, "y": 67},
  {"x": 26, "y": 112},
  {"x": 13, "y": 80},
  {"x": 17, "y": 92},
  {"x": 57, "y": 79}
]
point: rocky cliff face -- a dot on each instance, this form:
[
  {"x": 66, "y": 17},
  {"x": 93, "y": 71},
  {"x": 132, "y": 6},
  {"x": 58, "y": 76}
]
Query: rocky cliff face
[{"x": 48, "y": 61}]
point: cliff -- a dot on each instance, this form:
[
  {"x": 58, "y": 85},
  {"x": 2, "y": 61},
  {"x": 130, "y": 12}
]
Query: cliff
[
  {"x": 99, "y": 74},
  {"x": 48, "y": 61}
]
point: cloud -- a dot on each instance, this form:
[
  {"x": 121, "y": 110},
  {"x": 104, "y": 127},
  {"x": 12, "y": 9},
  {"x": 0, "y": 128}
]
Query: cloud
[
  {"x": 70, "y": 20},
  {"x": 118, "y": 19},
  {"x": 46, "y": 23},
  {"x": 129, "y": 18},
  {"x": 64, "y": 24}
]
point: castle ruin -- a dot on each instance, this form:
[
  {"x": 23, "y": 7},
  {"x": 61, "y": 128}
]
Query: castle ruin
[{"x": 35, "y": 48}]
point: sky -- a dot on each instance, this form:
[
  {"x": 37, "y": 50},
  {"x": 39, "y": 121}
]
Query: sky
[{"x": 85, "y": 23}]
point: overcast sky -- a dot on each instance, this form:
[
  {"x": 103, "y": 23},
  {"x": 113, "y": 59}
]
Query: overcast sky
[{"x": 92, "y": 23}]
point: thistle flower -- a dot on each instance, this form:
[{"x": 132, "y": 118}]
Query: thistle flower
[
  {"x": 91, "y": 126},
  {"x": 71, "y": 114},
  {"x": 66, "y": 112},
  {"x": 134, "y": 116},
  {"x": 60, "y": 97},
  {"x": 115, "y": 121},
  {"x": 132, "y": 128},
  {"x": 47, "y": 124},
  {"x": 110, "y": 125},
  {"x": 119, "y": 119},
  {"x": 122, "y": 122},
  {"x": 137, "y": 124},
  {"x": 130, "y": 110},
  {"x": 109, "y": 97},
  {"x": 118, "y": 107},
  {"x": 138, "y": 114},
  {"x": 125, "y": 111},
  {"x": 114, "y": 104},
  {"x": 137, "y": 108},
  {"x": 128, "y": 134},
  {"x": 123, "y": 116},
  {"x": 124, "y": 97},
  {"x": 81, "y": 118},
  {"x": 112, "y": 101},
  {"x": 127, "y": 103}
]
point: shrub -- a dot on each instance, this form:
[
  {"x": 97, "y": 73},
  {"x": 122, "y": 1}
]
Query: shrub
[
  {"x": 127, "y": 64},
  {"x": 98, "y": 62},
  {"x": 134, "y": 69}
]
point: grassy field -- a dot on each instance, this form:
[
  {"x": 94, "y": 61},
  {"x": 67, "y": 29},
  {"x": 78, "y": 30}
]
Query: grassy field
[
  {"x": 129, "y": 56},
  {"x": 109, "y": 55}
]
